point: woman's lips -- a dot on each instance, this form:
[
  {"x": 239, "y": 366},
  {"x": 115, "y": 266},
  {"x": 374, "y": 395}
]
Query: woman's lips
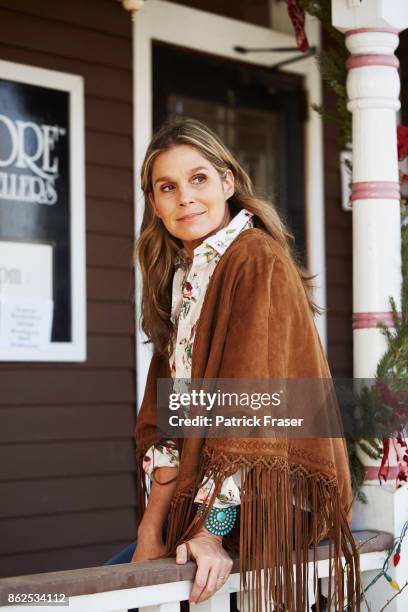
[{"x": 190, "y": 216}]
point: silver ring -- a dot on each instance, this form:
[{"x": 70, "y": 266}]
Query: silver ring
[{"x": 221, "y": 578}]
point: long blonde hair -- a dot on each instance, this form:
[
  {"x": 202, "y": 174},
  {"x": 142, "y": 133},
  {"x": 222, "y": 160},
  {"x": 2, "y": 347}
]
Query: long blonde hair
[{"x": 156, "y": 247}]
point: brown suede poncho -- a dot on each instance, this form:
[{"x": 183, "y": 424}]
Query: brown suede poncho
[{"x": 256, "y": 323}]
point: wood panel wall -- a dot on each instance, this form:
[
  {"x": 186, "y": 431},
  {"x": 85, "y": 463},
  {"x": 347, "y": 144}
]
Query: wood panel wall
[
  {"x": 67, "y": 486},
  {"x": 339, "y": 268},
  {"x": 402, "y": 54}
]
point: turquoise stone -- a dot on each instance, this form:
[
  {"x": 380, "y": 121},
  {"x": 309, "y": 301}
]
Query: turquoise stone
[{"x": 220, "y": 521}]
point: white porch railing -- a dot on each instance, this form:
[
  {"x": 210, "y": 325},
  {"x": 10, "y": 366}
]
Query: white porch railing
[{"x": 161, "y": 586}]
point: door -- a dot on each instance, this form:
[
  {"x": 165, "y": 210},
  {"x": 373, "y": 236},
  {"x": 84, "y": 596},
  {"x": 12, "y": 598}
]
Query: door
[{"x": 258, "y": 112}]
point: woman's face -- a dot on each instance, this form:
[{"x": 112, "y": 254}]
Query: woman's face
[{"x": 189, "y": 195}]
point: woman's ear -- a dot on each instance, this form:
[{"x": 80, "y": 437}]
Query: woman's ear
[{"x": 228, "y": 184}]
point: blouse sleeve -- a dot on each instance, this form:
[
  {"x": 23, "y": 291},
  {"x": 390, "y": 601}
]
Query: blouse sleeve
[
  {"x": 229, "y": 495},
  {"x": 163, "y": 454}
]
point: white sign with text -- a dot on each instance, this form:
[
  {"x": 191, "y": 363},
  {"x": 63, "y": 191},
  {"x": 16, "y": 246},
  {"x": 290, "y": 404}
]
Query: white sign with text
[{"x": 26, "y": 304}]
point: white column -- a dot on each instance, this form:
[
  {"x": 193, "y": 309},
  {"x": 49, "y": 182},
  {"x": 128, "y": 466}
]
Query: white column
[{"x": 373, "y": 86}]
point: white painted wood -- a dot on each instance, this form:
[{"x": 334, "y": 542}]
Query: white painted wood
[
  {"x": 360, "y": 14},
  {"x": 368, "y": 344},
  {"x": 373, "y": 92},
  {"x": 314, "y": 183},
  {"x": 373, "y": 99},
  {"x": 376, "y": 224},
  {"x": 246, "y": 600},
  {"x": 166, "y": 597},
  {"x": 215, "y": 34},
  {"x": 218, "y": 602},
  {"x": 173, "y": 606},
  {"x": 116, "y": 601},
  {"x": 279, "y": 18}
]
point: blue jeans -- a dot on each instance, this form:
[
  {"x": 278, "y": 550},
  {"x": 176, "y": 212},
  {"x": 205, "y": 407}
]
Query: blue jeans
[{"x": 123, "y": 556}]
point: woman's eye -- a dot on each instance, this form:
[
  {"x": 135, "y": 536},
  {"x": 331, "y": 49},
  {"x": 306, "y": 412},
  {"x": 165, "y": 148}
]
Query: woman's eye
[{"x": 200, "y": 176}]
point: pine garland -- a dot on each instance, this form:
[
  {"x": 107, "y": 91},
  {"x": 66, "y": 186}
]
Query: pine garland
[{"x": 332, "y": 66}]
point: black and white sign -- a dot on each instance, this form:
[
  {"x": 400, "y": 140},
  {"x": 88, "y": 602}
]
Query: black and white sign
[{"x": 42, "y": 205}]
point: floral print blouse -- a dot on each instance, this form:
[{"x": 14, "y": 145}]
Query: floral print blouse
[{"x": 190, "y": 283}]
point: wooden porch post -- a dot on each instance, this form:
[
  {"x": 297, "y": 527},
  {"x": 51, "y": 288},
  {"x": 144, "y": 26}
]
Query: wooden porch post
[{"x": 371, "y": 28}]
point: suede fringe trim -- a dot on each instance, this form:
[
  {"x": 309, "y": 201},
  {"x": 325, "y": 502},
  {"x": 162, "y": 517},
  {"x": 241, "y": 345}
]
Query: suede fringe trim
[
  {"x": 276, "y": 536},
  {"x": 141, "y": 479}
]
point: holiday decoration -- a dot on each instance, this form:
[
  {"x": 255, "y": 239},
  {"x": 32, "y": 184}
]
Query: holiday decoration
[
  {"x": 383, "y": 572},
  {"x": 402, "y": 136},
  {"x": 297, "y": 17}
]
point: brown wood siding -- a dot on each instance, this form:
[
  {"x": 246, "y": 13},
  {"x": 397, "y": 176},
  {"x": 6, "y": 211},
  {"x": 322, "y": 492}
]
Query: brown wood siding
[
  {"x": 67, "y": 485},
  {"x": 338, "y": 249},
  {"x": 402, "y": 54}
]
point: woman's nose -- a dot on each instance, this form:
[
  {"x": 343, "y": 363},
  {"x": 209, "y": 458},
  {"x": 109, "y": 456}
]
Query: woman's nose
[{"x": 185, "y": 196}]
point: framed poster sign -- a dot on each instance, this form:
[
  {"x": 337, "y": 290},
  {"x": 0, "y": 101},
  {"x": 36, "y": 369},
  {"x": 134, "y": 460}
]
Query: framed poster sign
[{"x": 42, "y": 215}]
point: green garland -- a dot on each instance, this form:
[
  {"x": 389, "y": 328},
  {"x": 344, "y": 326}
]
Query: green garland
[
  {"x": 332, "y": 66},
  {"x": 392, "y": 369}
]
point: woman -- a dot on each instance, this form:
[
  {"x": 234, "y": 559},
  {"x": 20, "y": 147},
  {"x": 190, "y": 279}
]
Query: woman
[{"x": 223, "y": 298}]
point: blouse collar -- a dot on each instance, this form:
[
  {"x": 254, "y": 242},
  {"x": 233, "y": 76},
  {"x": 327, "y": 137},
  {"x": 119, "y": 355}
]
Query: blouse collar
[{"x": 219, "y": 241}]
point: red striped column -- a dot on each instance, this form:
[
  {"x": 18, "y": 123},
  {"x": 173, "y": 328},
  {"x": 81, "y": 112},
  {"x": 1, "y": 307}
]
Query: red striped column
[{"x": 373, "y": 88}]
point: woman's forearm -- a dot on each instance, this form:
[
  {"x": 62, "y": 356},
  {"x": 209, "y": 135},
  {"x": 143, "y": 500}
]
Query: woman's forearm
[{"x": 158, "y": 504}]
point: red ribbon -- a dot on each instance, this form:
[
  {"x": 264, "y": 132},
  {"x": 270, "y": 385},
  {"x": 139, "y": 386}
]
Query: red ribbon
[
  {"x": 402, "y": 138},
  {"x": 385, "y": 463},
  {"x": 297, "y": 17},
  {"x": 401, "y": 451}
]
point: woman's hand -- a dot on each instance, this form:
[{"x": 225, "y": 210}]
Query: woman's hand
[
  {"x": 149, "y": 547},
  {"x": 213, "y": 564}
]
